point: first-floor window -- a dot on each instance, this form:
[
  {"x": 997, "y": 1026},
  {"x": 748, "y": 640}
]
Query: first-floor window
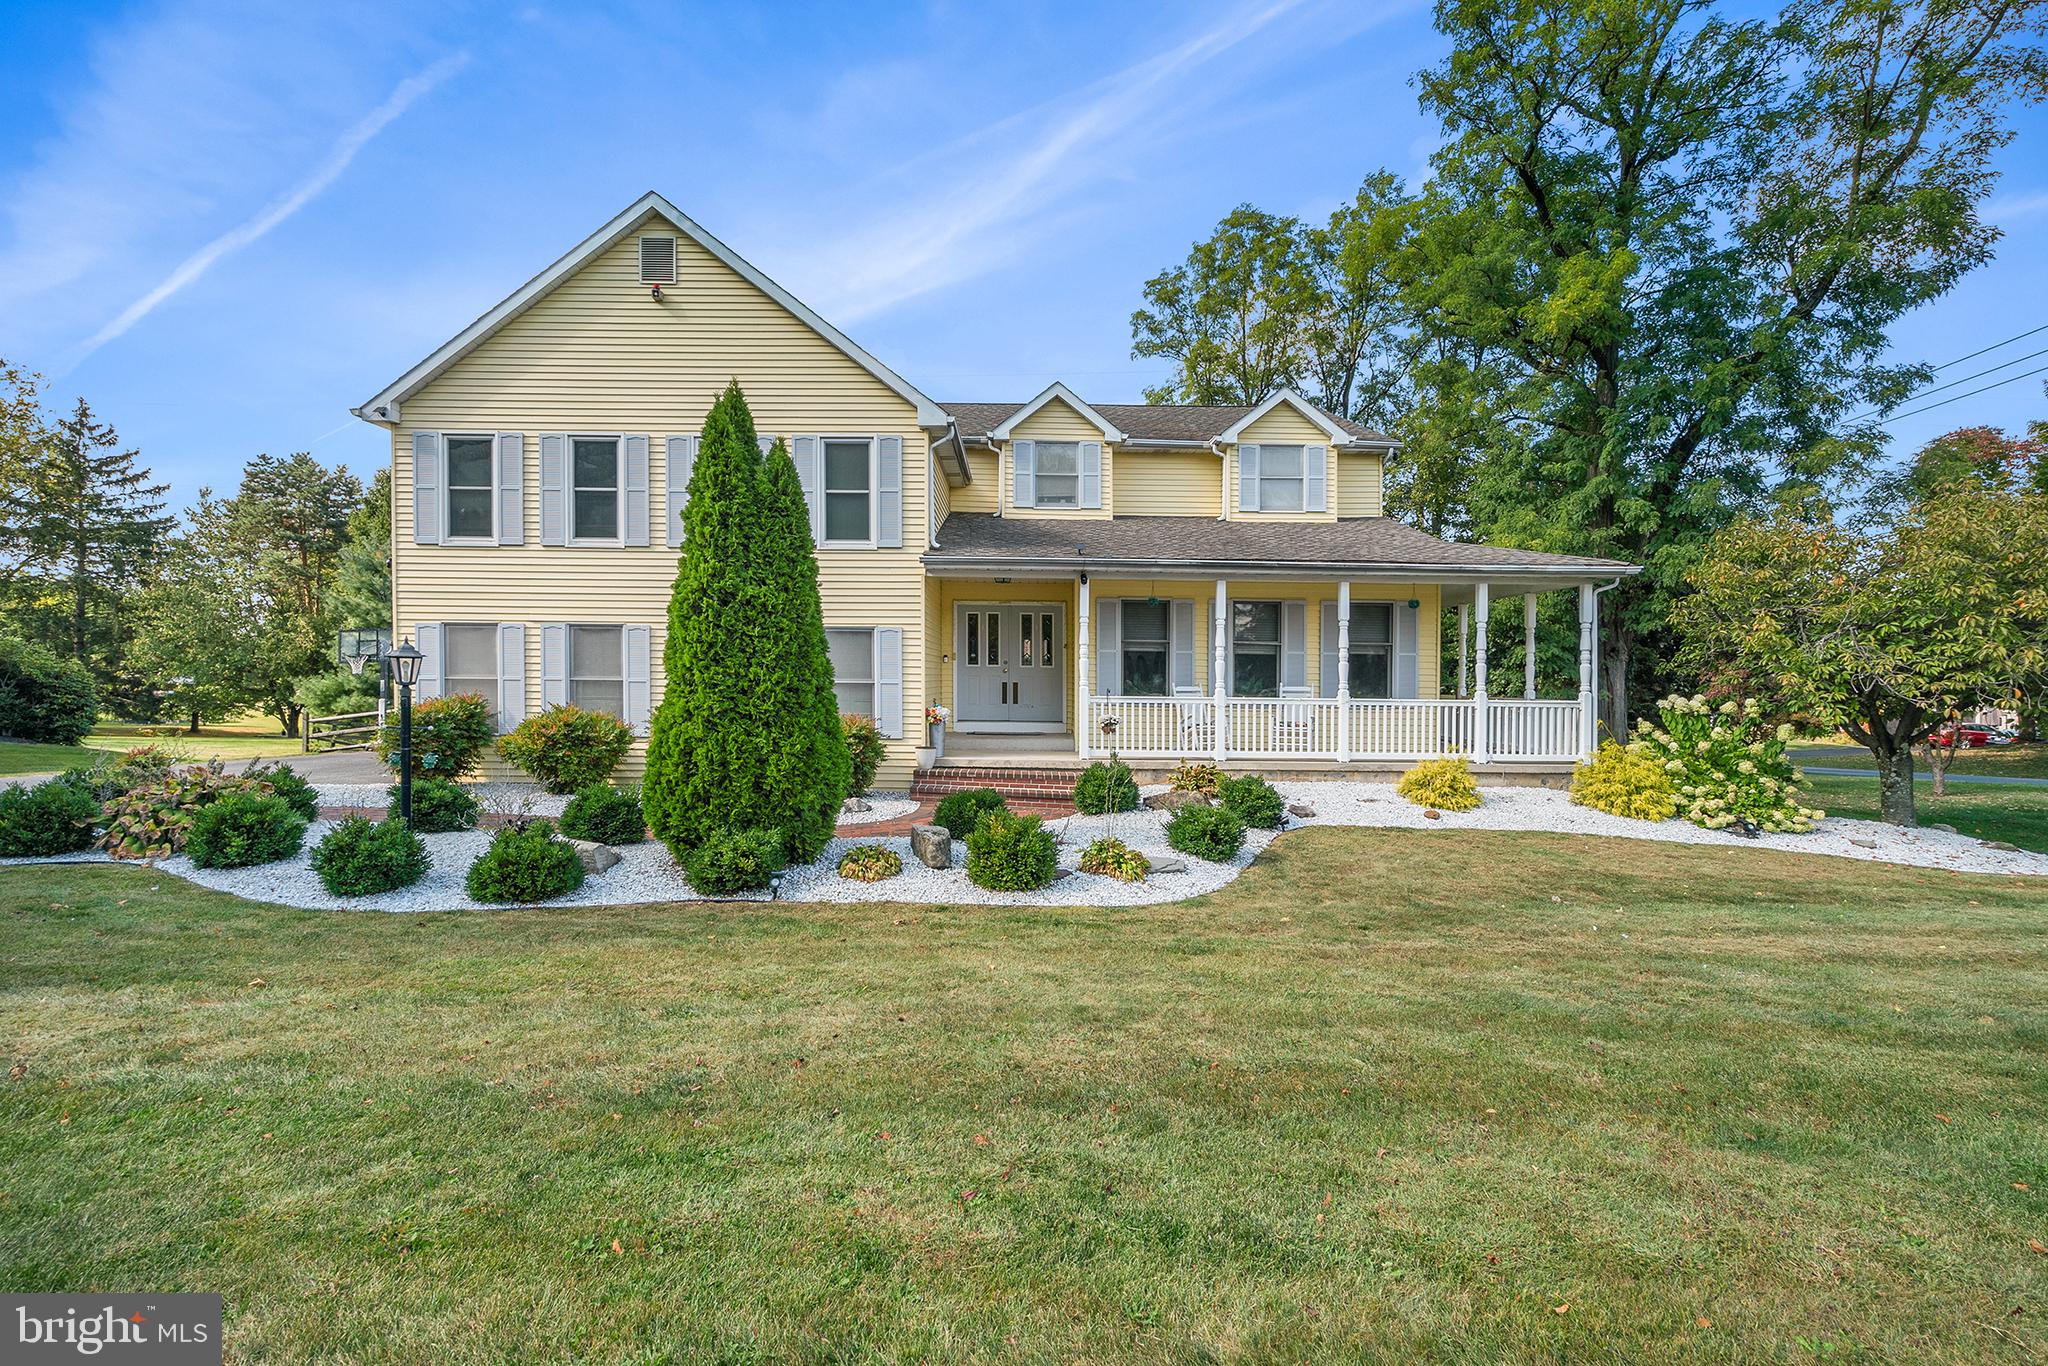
[
  {"x": 470, "y": 655},
  {"x": 1255, "y": 648},
  {"x": 595, "y": 499},
  {"x": 597, "y": 669},
  {"x": 470, "y": 487},
  {"x": 1281, "y": 479},
  {"x": 848, "y": 490},
  {"x": 1372, "y": 649},
  {"x": 1147, "y": 647},
  {"x": 853, "y": 667}
]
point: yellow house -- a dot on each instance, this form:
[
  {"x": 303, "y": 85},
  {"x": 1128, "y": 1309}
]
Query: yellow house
[{"x": 1061, "y": 578}]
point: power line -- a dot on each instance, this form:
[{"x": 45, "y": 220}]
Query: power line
[
  {"x": 1997, "y": 384},
  {"x": 1993, "y": 347},
  {"x": 1929, "y": 393}
]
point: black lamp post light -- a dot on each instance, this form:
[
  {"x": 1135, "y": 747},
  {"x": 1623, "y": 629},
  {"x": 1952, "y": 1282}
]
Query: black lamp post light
[{"x": 405, "y": 671}]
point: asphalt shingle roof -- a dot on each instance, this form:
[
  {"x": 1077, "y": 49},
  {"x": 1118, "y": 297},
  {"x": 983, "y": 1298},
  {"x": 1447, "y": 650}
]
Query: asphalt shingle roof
[
  {"x": 1359, "y": 542},
  {"x": 1139, "y": 421}
]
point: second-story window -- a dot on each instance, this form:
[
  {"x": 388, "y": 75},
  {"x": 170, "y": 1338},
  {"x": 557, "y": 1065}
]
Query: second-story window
[
  {"x": 1057, "y": 477},
  {"x": 849, "y": 490},
  {"x": 1281, "y": 479},
  {"x": 470, "y": 488},
  {"x": 595, "y": 495}
]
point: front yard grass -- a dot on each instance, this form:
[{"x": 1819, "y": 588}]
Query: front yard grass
[
  {"x": 250, "y": 736},
  {"x": 1989, "y": 811},
  {"x": 1390, "y": 1096}
]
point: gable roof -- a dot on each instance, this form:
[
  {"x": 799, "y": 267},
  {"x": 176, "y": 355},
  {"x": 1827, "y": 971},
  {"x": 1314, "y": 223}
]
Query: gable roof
[
  {"x": 650, "y": 205},
  {"x": 1056, "y": 390},
  {"x": 1235, "y": 430},
  {"x": 1194, "y": 424}
]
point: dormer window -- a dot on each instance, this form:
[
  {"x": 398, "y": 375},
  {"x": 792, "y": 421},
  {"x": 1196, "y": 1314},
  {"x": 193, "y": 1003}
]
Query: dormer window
[
  {"x": 657, "y": 260},
  {"x": 1281, "y": 479},
  {"x": 1059, "y": 474}
]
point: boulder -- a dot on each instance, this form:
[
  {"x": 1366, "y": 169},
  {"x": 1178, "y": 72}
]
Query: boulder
[
  {"x": 2002, "y": 846},
  {"x": 1862, "y": 843},
  {"x": 1167, "y": 863},
  {"x": 1174, "y": 799},
  {"x": 595, "y": 858},
  {"x": 933, "y": 845},
  {"x": 1944, "y": 829},
  {"x": 1432, "y": 814},
  {"x": 1301, "y": 811},
  {"x": 855, "y": 804}
]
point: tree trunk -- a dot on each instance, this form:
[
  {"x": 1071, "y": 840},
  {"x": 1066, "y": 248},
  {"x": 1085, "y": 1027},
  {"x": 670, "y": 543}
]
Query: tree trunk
[
  {"x": 193, "y": 729},
  {"x": 1611, "y": 681},
  {"x": 1895, "y": 787}
]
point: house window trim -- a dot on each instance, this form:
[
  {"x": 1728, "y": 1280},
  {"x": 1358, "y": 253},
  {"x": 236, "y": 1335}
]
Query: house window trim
[
  {"x": 1378, "y": 646},
  {"x": 1300, "y": 480},
  {"x": 569, "y": 662},
  {"x": 1279, "y": 647},
  {"x": 448, "y": 656},
  {"x": 1123, "y": 647},
  {"x": 874, "y": 678},
  {"x": 874, "y": 535},
  {"x": 618, "y": 440},
  {"x": 448, "y": 535},
  {"x": 1038, "y": 502}
]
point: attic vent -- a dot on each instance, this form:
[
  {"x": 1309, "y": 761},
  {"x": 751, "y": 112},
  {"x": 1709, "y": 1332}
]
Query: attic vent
[{"x": 657, "y": 260}]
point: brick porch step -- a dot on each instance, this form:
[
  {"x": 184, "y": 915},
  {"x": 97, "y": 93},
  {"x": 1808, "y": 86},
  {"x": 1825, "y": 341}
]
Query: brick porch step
[{"x": 1036, "y": 783}]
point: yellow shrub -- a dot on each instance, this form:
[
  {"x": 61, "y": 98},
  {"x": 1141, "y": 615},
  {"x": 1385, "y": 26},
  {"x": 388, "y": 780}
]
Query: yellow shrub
[
  {"x": 1445, "y": 784},
  {"x": 1625, "y": 784}
]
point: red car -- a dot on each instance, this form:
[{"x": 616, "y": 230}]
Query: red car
[{"x": 1973, "y": 737}]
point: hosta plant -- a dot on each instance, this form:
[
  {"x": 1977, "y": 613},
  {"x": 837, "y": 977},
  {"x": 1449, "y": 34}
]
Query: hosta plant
[
  {"x": 870, "y": 863},
  {"x": 1441, "y": 784},
  {"x": 152, "y": 821},
  {"x": 1726, "y": 764},
  {"x": 1201, "y": 779},
  {"x": 1625, "y": 784},
  {"x": 1114, "y": 858}
]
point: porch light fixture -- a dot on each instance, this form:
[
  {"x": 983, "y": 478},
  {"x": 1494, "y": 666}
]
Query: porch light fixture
[{"x": 405, "y": 664}]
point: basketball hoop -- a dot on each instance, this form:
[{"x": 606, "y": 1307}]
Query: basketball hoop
[{"x": 359, "y": 648}]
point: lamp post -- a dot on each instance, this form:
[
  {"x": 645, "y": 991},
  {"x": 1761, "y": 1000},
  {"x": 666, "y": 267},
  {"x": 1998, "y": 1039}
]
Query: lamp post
[{"x": 405, "y": 671}]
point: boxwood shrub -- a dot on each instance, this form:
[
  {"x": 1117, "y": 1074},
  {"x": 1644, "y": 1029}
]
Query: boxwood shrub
[
  {"x": 961, "y": 812},
  {"x": 735, "y": 861},
  {"x": 359, "y": 857},
  {"x": 1211, "y": 832},
  {"x": 54, "y": 817},
  {"x": 285, "y": 782},
  {"x": 438, "y": 806},
  {"x": 525, "y": 863},
  {"x": 243, "y": 829},
  {"x": 606, "y": 814},
  {"x": 566, "y": 748},
  {"x": 1106, "y": 786},
  {"x": 1007, "y": 853},
  {"x": 1254, "y": 800}
]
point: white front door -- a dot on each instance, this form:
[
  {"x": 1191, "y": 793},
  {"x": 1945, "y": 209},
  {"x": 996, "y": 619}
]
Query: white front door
[{"x": 1009, "y": 665}]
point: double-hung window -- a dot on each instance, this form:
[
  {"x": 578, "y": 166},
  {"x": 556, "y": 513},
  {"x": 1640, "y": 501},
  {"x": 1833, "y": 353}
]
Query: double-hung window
[
  {"x": 1281, "y": 479},
  {"x": 849, "y": 490},
  {"x": 597, "y": 669},
  {"x": 1056, "y": 476},
  {"x": 852, "y": 649},
  {"x": 1147, "y": 647},
  {"x": 595, "y": 486},
  {"x": 472, "y": 488},
  {"x": 1255, "y": 648},
  {"x": 471, "y": 661},
  {"x": 1372, "y": 650}
]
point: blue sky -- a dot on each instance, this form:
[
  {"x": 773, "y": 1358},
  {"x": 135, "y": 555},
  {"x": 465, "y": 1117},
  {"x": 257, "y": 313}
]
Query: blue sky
[{"x": 227, "y": 223}]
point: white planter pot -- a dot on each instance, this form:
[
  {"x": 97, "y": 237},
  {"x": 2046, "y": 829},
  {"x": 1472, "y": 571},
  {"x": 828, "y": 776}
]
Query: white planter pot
[{"x": 925, "y": 755}]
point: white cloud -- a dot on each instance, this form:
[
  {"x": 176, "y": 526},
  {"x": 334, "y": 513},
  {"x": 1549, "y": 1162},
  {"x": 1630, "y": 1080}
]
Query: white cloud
[{"x": 325, "y": 174}]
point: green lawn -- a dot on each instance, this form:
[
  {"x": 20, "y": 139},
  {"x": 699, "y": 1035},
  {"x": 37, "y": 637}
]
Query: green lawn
[
  {"x": 2018, "y": 815},
  {"x": 1390, "y": 1096},
  {"x": 2008, "y": 761},
  {"x": 253, "y": 736}
]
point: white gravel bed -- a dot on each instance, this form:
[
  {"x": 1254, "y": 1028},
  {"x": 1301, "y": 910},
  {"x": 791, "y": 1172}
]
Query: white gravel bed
[
  {"x": 506, "y": 797},
  {"x": 882, "y": 806}
]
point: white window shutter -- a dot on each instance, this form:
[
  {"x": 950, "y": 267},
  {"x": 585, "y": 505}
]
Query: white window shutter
[
  {"x": 1091, "y": 474},
  {"x": 1315, "y": 469},
  {"x": 636, "y": 492},
  {"x": 682, "y": 460},
  {"x": 1109, "y": 647},
  {"x": 803, "y": 450},
  {"x": 1294, "y": 644},
  {"x": 766, "y": 441},
  {"x": 1025, "y": 456},
  {"x": 889, "y": 681},
  {"x": 1247, "y": 478},
  {"x": 1183, "y": 644},
  {"x": 426, "y": 488},
  {"x": 639, "y": 642},
  {"x": 1328, "y": 681},
  {"x": 554, "y": 488},
  {"x": 426, "y": 638},
  {"x": 554, "y": 665},
  {"x": 511, "y": 676},
  {"x": 889, "y": 490},
  {"x": 511, "y": 488},
  {"x": 1406, "y": 679}
]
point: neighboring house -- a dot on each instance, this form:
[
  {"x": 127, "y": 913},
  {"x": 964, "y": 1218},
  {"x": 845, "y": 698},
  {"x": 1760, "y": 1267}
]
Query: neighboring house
[{"x": 1211, "y": 583}]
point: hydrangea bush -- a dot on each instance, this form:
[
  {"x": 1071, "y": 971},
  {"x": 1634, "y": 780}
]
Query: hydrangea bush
[{"x": 1726, "y": 765}]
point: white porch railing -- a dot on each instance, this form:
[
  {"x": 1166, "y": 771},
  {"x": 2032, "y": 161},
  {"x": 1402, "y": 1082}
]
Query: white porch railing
[{"x": 1309, "y": 728}]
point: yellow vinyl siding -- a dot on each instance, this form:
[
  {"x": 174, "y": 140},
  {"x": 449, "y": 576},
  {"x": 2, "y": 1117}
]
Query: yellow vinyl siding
[
  {"x": 598, "y": 355},
  {"x": 1056, "y": 421},
  {"x": 1169, "y": 484},
  {"x": 1359, "y": 492},
  {"x": 1283, "y": 426},
  {"x": 981, "y": 493}
]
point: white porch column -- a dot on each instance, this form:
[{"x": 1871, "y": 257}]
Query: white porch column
[
  {"x": 1529, "y": 646},
  {"x": 1479, "y": 610},
  {"x": 1464, "y": 658},
  {"x": 1588, "y": 605},
  {"x": 1083, "y": 726},
  {"x": 1219, "y": 666},
  {"x": 1344, "y": 671}
]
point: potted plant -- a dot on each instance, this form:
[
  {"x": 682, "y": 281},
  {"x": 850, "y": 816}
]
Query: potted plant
[{"x": 935, "y": 718}]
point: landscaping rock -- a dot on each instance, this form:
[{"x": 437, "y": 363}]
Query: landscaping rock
[
  {"x": 1432, "y": 814},
  {"x": 1944, "y": 829},
  {"x": 595, "y": 858},
  {"x": 1173, "y": 800},
  {"x": 855, "y": 804},
  {"x": 2002, "y": 846},
  {"x": 1301, "y": 811},
  {"x": 1167, "y": 863},
  {"x": 933, "y": 845},
  {"x": 1862, "y": 843}
]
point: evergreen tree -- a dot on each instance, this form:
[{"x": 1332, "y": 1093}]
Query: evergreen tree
[
  {"x": 361, "y": 596},
  {"x": 732, "y": 745}
]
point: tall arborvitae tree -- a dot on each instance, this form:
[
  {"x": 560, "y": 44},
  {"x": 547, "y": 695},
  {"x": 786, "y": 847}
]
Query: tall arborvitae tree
[
  {"x": 361, "y": 596},
  {"x": 734, "y": 744}
]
